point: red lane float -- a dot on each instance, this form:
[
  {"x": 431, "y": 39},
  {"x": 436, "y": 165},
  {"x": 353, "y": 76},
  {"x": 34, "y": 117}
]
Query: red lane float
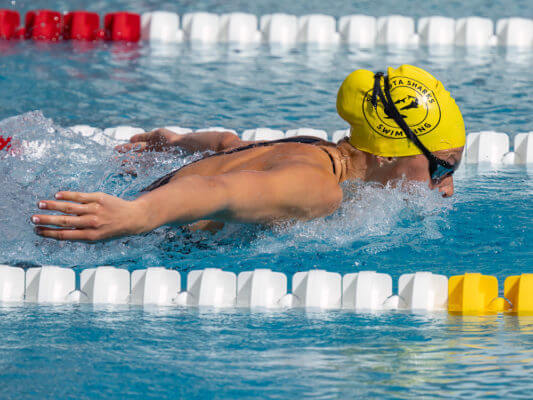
[
  {"x": 45, "y": 25},
  {"x": 81, "y": 25},
  {"x": 48, "y": 25},
  {"x": 122, "y": 26},
  {"x": 9, "y": 24},
  {"x": 5, "y": 143}
]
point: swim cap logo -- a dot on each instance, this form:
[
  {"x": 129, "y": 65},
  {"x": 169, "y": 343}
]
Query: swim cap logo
[{"x": 415, "y": 102}]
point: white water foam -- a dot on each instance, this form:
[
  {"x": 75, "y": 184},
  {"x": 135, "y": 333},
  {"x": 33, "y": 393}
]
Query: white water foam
[{"x": 372, "y": 218}]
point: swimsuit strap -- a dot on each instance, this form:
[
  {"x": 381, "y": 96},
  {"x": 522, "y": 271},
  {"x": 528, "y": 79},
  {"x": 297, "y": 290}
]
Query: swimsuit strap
[{"x": 297, "y": 139}]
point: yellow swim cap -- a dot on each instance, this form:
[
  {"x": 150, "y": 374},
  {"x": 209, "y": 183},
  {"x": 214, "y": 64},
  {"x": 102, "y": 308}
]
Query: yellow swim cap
[{"x": 427, "y": 108}]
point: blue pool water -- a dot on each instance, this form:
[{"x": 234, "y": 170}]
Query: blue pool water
[{"x": 81, "y": 351}]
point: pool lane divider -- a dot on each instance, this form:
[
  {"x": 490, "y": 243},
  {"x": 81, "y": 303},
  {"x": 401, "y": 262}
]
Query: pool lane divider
[
  {"x": 283, "y": 29},
  {"x": 52, "y": 26},
  {"x": 482, "y": 148},
  {"x": 468, "y": 294},
  {"x": 486, "y": 148}
]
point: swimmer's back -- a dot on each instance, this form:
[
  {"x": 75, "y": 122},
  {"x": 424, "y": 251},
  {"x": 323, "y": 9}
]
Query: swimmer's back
[{"x": 259, "y": 156}]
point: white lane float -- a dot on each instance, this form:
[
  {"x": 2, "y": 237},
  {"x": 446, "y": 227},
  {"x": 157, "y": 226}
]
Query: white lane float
[
  {"x": 474, "y": 32},
  {"x": 12, "y": 280},
  {"x": 155, "y": 285},
  {"x": 210, "y": 287},
  {"x": 262, "y": 134},
  {"x": 515, "y": 32},
  {"x": 317, "y": 289},
  {"x": 423, "y": 291},
  {"x": 318, "y": 29},
  {"x": 358, "y": 30},
  {"x": 161, "y": 26},
  {"x": 340, "y": 134},
  {"x": 436, "y": 31},
  {"x": 238, "y": 28},
  {"x": 49, "y": 284},
  {"x": 261, "y": 288},
  {"x": 105, "y": 285},
  {"x": 396, "y": 30},
  {"x": 486, "y": 147},
  {"x": 523, "y": 148},
  {"x": 201, "y": 27},
  {"x": 279, "y": 29},
  {"x": 366, "y": 290}
]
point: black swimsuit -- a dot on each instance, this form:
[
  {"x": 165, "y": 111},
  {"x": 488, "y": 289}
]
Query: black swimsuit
[{"x": 297, "y": 139}]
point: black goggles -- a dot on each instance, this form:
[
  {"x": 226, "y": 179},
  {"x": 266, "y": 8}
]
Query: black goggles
[{"x": 438, "y": 168}]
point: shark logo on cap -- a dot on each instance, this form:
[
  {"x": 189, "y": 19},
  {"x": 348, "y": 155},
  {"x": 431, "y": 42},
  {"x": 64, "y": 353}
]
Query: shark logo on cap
[{"x": 413, "y": 100}]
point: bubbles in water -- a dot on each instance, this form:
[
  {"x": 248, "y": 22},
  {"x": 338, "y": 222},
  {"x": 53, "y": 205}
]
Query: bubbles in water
[{"x": 371, "y": 219}]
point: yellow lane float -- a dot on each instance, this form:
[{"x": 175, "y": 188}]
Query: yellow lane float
[
  {"x": 474, "y": 293},
  {"x": 518, "y": 290}
]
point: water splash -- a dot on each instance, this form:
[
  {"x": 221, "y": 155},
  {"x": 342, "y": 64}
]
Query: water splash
[
  {"x": 371, "y": 218},
  {"x": 49, "y": 158}
]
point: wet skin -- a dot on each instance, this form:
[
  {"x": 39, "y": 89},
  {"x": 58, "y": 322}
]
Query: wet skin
[{"x": 284, "y": 181}]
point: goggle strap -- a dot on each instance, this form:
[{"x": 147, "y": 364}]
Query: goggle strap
[
  {"x": 376, "y": 89},
  {"x": 392, "y": 111}
]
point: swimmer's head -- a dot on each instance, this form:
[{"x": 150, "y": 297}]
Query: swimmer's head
[{"x": 422, "y": 102}]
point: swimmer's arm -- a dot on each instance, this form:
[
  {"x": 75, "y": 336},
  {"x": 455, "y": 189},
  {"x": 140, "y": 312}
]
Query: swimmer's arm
[
  {"x": 164, "y": 139},
  {"x": 214, "y": 141},
  {"x": 299, "y": 192}
]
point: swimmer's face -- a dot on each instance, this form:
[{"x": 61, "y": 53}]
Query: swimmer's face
[{"x": 416, "y": 168}]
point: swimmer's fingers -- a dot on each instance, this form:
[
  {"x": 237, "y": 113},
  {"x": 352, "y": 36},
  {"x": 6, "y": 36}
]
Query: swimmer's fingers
[
  {"x": 157, "y": 140},
  {"x": 108, "y": 216},
  {"x": 66, "y": 207},
  {"x": 156, "y": 134},
  {"x": 68, "y": 234},
  {"x": 66, "y": 221},
  {"x": 80, "y": 197},
  {"x": 141, "y": 137},
  {"x": 137, "y": 146}
]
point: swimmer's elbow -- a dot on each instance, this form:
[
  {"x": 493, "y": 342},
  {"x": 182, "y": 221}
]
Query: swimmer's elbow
[
  {"x": 322, "y": 203},
  {"x": 331, "y": 201},
  {"x": 227, "y": 141}
]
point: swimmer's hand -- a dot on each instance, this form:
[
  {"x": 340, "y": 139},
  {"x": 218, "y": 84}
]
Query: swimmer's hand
[
  {"x": 88, "y": 217},
  {"x": 164, "y": 139},
  {"x": 279, "y": 194},
  {"x": 157, "y": 140}
]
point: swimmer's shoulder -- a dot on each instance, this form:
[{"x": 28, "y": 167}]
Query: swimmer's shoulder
[{"x": 320, "y": 153}]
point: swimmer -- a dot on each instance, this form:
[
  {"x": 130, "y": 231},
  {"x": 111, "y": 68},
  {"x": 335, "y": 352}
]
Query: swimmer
[{"x": 404, "y": 125}]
